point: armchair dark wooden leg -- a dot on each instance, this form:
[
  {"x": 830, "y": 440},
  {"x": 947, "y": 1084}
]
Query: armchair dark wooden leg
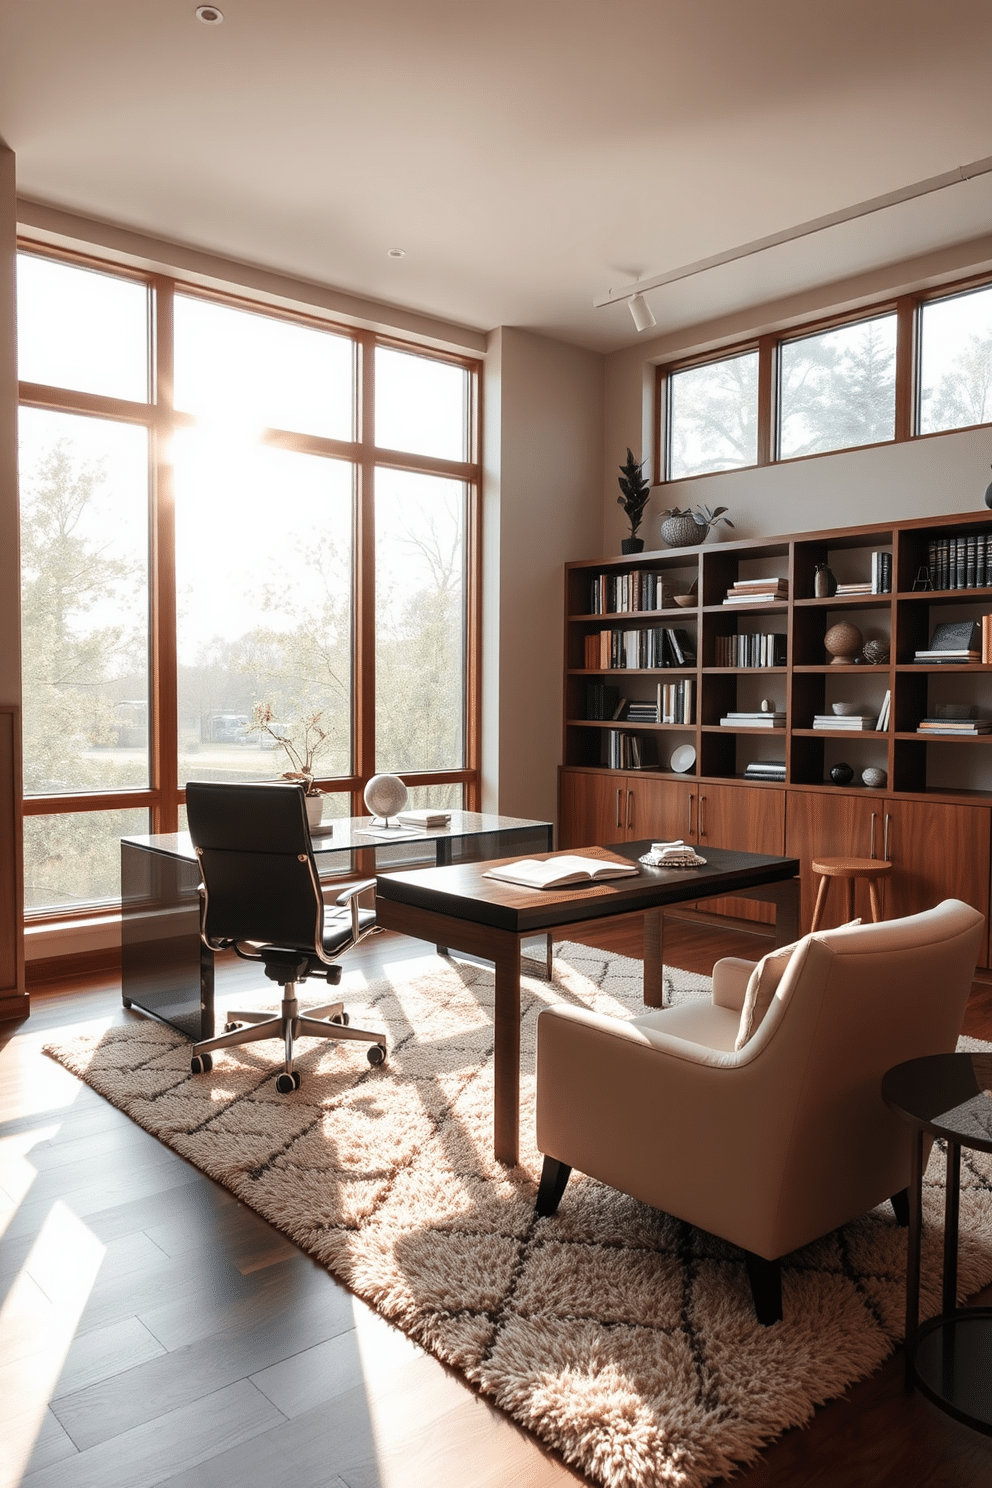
[
  {"x": 900, "y": 1207},
  {"x": 766, "y": 1287},
  {"x": 554, "y": 1177}
]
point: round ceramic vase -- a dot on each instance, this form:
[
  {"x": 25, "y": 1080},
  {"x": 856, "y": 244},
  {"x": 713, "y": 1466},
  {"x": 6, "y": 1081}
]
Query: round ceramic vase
[{"x": 683, "y": 532}]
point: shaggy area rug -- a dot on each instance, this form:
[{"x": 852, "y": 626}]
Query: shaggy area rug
[{"x": 622, "y": 1338}]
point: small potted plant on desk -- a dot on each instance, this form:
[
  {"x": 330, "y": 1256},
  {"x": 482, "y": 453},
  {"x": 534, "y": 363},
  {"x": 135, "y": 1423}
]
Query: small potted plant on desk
[
  {"x": 301, "y": 756},
  {"x": 636, "y": 490}
]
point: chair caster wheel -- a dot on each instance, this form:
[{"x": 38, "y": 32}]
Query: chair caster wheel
[
  {"x": 342, "y": 1019},
  {"x": 286, "y": 1084},
  {"x": 201, "y": 1064},
  {"x": 376, "y": 1054},
  {"x": 232, "y": 1027}
]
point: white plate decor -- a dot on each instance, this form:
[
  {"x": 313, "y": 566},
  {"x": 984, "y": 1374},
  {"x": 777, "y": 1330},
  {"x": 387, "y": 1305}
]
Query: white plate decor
[{"x": 683, "y": 758}]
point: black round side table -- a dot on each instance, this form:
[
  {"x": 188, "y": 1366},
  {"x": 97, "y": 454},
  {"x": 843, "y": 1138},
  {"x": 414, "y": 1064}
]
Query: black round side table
[{"x": 950, "y": 1356}]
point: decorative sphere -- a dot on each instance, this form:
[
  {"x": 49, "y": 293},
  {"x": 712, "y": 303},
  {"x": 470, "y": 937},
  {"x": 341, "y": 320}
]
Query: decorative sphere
[
  {"x": 876, "y": 653},
  {"x": 841, "y": 774},
  {"x": 843, "y": 641},
  {"x": 386, "y": 795},
  {"x": 874, "y": 777}
]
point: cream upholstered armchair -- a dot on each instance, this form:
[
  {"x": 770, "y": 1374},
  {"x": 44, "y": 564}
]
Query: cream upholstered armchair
[{"x": 758, "y": 1116}]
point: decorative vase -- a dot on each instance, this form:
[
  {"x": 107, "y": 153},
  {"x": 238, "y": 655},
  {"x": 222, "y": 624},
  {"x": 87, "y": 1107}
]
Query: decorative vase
[
  {"x": 843, "y": 641},
  {"x": 683, "y": 532},
  {"x": 315, "y": 810},
  {"x": 841, "y": 774},
  {"x": 824, "y": 583},
  {"x": 874, "y": 777},
  {"x": 632, "y": 545}
]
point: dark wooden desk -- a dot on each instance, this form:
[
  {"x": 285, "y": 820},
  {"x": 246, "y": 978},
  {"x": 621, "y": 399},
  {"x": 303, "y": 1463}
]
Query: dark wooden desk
[{"x": 461, "y": 908}]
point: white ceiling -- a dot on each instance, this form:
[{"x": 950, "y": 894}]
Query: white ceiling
[{"x": 527, "y": 155}]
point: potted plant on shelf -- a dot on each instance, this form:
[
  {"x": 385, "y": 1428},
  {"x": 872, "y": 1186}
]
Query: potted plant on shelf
[
  {"x": 684, "y": 529},
  {"x": 636, "y": 490},
  {"x": 301, "y": 756}
]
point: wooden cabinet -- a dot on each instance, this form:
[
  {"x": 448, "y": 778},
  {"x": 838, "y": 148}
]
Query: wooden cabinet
[{"x": 939, "y": 850}]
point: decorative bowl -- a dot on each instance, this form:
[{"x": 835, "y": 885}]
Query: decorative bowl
[
  {"x": 685, "y": 600},
  {"x": 683, "y": 758},
  {"x": 845, "y": 710}
]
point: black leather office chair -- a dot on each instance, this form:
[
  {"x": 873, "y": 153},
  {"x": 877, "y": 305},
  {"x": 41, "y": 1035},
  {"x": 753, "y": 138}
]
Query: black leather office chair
[{"x": 261, "y": 898}]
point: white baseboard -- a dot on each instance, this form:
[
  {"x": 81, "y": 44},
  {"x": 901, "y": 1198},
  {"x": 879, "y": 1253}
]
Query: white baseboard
[{"x": 71, "y": 937}]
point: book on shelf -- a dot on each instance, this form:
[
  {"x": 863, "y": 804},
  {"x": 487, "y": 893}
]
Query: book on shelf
[
  {"x": 765, "y": 770},
  {"x": 987, "y": 640},
  {"x": 601, "y": 700},
  {"x": 676, "y": 701},
  {"x": 628, "y": 751},
  {"x": 642, "y": 712},
  {"x": 553, "y": 873},
  {"x": 859, "y": 588},
  {"x": 962, "y": 562},
  {"x": 753, "y": 720},
  {"x": 960, "y": 726},
  {"x": 751, "y": 649},
  {"x": 881, "y": 572},
  {"x": 948, "y": 658},
  {"x": 637, "y": 649},
  {"x": 957, "y": 635},
  {"x": 757, "y": 591},
  {"x": 636, "y": 591},
  {"x": 882, "y": 721},
  {"x": 853, "y": 722}
]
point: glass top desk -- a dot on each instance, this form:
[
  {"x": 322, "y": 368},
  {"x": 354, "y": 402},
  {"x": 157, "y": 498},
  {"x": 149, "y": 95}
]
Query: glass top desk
[{"x": 168, "y": 971}]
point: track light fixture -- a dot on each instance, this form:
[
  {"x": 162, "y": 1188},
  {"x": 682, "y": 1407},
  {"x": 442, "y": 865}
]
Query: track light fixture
[{"x": 640, "y": 313}]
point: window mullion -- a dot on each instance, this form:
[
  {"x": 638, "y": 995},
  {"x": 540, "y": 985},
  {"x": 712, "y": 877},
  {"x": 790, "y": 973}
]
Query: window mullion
[
  {"x": 364, "y": 578},
  {"x": 164, "y": 738}
]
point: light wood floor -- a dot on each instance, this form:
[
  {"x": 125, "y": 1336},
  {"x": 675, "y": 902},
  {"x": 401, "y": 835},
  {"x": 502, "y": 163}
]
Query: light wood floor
[{"x": 153, "y": 1329}]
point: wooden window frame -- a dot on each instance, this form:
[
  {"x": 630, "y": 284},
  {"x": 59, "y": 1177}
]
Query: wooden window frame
[
  {"x": 907, "y": 310},
  {"x": 164, "y": 797}
]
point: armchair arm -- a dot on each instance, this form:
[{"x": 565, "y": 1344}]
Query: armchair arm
[
  {"x": 730, "y": 979},
  {"x": 350, "y": 897}
]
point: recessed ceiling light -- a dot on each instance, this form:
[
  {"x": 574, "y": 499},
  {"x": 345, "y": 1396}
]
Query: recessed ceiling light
[
  {"x": 396, "y": 253},
  {"x": 209, "y": 15}
]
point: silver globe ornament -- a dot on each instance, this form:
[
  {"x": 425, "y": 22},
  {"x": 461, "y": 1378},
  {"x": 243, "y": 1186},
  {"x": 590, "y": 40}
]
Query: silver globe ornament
[{"x": 385, "y": 796}]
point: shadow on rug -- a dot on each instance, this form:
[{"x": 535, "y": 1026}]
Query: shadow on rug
[{"x": 622, "y": 1338}]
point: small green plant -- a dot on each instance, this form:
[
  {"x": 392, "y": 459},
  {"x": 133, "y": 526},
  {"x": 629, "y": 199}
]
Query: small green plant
[
  {"x": 636, "y": 490},
  {"x": 701, "y": 515},
  {"x": 302, "y": 756}
]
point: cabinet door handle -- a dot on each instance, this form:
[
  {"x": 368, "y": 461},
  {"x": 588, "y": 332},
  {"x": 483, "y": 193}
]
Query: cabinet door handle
[
  {"x": 619, "y": 794},
  {"x": 871, "y": 849},
  {"x": 885, "y": 839},
  {"x": 630, "y": 809},
  {"x": 688, "y": 825},
  {"x": 701, "y": 818}
]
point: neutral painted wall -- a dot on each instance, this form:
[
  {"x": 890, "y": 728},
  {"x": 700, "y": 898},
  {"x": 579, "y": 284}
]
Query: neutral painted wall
[{"x": 543, "y": 454}]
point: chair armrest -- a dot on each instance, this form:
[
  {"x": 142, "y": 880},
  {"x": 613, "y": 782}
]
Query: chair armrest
[
  {"x": 346, "y": 895},
  {"x": 349, "y": 897},
  {"x": 730, "y": 979}
]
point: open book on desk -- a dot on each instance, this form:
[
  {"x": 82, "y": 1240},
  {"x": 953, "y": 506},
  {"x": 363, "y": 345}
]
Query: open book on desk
[{"x": 553, "y": 873}]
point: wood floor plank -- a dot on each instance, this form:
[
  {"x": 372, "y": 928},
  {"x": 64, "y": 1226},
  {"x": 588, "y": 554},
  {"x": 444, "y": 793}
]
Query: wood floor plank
[
  {"x": 103, "y": 1353},
  {"x": 154, "y": 1452}
]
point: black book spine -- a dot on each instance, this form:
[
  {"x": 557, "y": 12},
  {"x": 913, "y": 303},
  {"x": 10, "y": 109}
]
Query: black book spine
[{"x": 970, "y": 562}]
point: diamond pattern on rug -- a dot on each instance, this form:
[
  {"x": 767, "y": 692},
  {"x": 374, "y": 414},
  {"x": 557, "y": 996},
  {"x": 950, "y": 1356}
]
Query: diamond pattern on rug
[{"x": 623, "y": 1338}]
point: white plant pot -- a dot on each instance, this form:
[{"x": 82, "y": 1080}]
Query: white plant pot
[{"x": 315, "y": 810}]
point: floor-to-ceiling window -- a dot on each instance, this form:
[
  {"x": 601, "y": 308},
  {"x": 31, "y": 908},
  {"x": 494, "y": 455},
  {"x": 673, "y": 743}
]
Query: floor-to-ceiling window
[{"x": 225, "y": 509}]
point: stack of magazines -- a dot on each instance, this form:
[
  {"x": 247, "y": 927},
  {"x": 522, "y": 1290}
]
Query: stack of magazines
[
  {"x": 853, "y": 722},
  {"x": 765, "y": 770},
  {"x": 959, "y": 726}
]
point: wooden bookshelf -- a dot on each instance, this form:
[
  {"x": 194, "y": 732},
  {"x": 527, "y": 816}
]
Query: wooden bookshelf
[{"x": 932, "y": 816}]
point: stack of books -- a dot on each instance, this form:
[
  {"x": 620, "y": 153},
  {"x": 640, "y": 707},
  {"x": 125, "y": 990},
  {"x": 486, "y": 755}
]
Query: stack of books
[
  {"x": 429, "y": 817},
  {"x": 853, "y": 722},
  {"x": 957, "y": 642},
  {"x": 959, "y": 726},
  {"x": 843, "y": 589},
  {"x": 765, "y": 770},
  {"x": 753, "y": 720},
  {"x": 640, "y": 712},
  {"x": 757, "y": 591}
]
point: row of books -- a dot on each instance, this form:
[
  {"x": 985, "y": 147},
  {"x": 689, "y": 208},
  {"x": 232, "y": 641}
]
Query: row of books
[
  {"x": 757, "y": 591},
  {"x": 960, "y": 727},
  {"x": 675, "y": 703},
  {"x": 648, "y": 646},
  {"x": 960, "y": 562},
  {"x": 753, "y": 720},
  {"x": 751, "y": 650},
  {"x": 602, "y": 700},
  {"x": 881, "y": 572},
  {"x": 628, "y": 751},
  {"x": 618, "y": 594},
  {"x": 765, "y": 770}
]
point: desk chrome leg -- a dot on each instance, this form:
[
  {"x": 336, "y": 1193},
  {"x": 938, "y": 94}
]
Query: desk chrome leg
[
  {"x": 442, "y": 859},
  {"x": 952, "y": 1204}
]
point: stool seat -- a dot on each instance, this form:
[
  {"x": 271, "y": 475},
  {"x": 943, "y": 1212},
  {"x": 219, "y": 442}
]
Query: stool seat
[{"x": 849, "y": 869}]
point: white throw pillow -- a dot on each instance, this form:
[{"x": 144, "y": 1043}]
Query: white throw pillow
[{"x": 762, "y": 986}]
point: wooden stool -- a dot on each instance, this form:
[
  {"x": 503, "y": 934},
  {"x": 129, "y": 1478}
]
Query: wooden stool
[{"x": 848, "y": 869}]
